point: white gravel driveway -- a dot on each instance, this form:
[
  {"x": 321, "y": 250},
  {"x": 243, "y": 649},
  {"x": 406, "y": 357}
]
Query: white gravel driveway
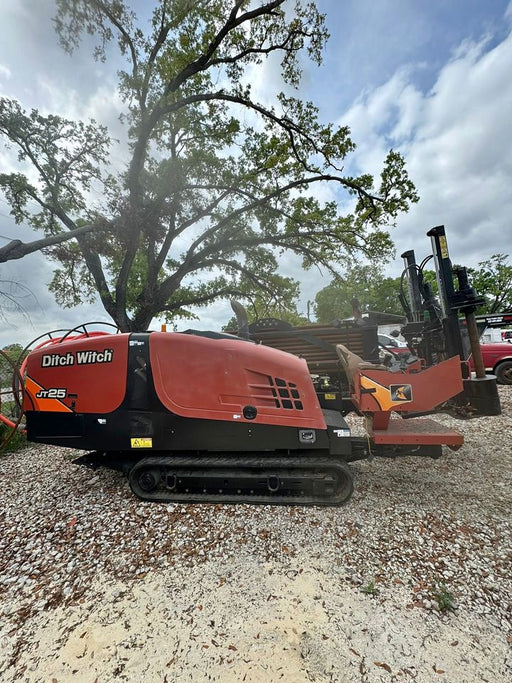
[{"x": 97, "y": 586}]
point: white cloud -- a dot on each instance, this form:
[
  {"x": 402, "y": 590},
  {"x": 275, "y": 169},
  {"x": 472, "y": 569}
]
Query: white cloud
[
  {"x": 456, "y": 140},
  {"x": 5, "y": 72}
]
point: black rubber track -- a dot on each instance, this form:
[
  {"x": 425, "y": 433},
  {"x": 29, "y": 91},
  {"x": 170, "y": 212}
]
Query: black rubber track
[{"x": 268, "y": 480}]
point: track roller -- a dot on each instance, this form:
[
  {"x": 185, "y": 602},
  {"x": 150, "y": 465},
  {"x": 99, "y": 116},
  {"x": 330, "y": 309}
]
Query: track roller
[{"x": 287, "y": 480}]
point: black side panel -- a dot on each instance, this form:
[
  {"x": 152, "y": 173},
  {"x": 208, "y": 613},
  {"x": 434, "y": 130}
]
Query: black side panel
[
  {"x": 338, "y": 432},
  {"x": 168, "y": 432},
  {"x": 56, "y": 428},
  {"x": 140, "y": 392}
]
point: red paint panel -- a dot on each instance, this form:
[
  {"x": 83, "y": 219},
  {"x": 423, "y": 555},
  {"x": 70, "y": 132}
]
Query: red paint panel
[
  {"x": 377, "y": 390},
  {"x": 87, "y": 375},
  {"x": 214, "y": 379},
  {"x": 418, "y": 431}
]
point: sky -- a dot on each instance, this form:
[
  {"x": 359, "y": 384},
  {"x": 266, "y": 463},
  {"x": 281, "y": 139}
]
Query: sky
[{"x": 429, "y": 79}]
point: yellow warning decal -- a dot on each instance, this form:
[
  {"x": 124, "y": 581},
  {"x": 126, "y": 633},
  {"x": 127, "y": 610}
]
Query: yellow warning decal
[
  {"x": 142, "y": 443},
  {"x": 443, "y": 244}
]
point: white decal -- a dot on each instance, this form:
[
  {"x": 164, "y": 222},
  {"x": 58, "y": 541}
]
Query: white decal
[
  {"x": 341, "y": 432},
  {"x": 55, "y": 360}
]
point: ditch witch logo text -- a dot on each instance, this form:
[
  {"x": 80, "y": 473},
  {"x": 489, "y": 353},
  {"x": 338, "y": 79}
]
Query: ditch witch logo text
[{"x": 53, "y": 360}]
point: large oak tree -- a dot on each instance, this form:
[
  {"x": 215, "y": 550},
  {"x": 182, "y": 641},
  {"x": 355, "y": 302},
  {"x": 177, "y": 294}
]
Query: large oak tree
[{"x": 218, "y": 186}]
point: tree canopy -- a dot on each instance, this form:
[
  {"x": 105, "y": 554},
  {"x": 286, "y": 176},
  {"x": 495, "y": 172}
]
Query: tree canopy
[
  {"x": 218, "y": 184},
  {"x": 283, "y": 306},
  {"x": 367, "y": 284},
  {"x": 493, "y": 280}
]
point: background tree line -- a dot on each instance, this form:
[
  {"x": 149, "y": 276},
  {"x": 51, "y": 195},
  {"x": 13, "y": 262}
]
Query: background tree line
[
  {"x": 374, "y": 291},
  {"x": 492, "y": 280}
]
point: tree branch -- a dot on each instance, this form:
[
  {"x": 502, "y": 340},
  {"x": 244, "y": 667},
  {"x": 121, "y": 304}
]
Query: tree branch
[
  {"x": 17, "y": 249},
  {"x": 204, "y": 61}
]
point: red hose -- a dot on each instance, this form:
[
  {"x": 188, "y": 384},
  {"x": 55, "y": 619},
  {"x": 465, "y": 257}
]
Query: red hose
[{"x": 6, "y": 421}]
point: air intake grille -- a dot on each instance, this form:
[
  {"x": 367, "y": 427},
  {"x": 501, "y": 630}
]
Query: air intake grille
[
  {"x": 285, "y": 393},
  {"x": 275, "y": 392}
]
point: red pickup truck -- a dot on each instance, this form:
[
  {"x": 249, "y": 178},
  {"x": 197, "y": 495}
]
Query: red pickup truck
[{"x": 497, "y": 359}]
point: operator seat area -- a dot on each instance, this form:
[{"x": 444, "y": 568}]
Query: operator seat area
[{"x": 352, "y": 363}]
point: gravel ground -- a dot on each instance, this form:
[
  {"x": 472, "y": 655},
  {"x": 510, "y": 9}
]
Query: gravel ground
[{"x": 98, "y": 586}]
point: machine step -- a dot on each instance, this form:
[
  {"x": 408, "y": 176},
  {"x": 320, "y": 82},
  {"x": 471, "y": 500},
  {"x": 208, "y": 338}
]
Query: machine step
[{"x": 419, "y": 431}]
